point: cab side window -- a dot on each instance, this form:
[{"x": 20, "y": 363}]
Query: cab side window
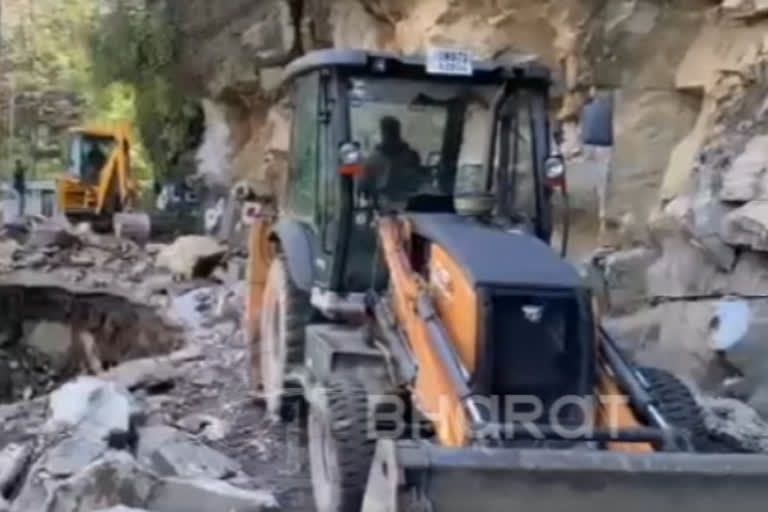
[{"x": 305, "y": 144}]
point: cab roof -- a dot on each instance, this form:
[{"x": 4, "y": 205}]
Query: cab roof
[{"x": 414, "y": 66}]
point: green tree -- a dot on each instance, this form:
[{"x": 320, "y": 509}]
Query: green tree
[{"x": 134, "y": 43}]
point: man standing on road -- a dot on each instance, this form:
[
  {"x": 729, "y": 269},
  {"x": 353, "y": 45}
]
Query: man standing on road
[{"x": 20, "y": 184}]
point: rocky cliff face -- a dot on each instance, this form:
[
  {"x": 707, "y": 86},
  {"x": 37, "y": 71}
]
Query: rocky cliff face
[
  {"x": 232, "y": 54},
  {"x": 684, "y": 188}
]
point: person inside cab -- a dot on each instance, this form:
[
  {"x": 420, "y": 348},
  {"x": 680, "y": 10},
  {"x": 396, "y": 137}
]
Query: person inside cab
[
  {"x": 94, "y": 162},
  {"x": 392, "y": 169}
]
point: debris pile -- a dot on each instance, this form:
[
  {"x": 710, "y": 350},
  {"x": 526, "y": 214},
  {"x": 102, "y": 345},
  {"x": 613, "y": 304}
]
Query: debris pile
[{"x": 122, "y": 383}]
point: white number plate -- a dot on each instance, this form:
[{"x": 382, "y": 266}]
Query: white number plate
[{"x": 444, "y": 61}]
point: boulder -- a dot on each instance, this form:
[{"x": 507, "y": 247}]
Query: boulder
[
  {"x": 625, "y": 278},
  {"x": 683, "y": 270},
  {"x": 744, "y": 180},
  {"x": 736, "y": 424},
  {"x": 171, "y": 452},
  {"x": 747, "y": 226},
  {"x": 51, "y": 339},
  {"x": 679, "y": 336},
  {"x": 191, "y": 256},
  {"x": 94, "y": 407},
  {"x": 112, "y": 480},
  {"x": 186, "y": 495}
]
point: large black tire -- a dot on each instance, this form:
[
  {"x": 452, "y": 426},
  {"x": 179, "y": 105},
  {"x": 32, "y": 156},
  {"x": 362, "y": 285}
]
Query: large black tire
[
  {"x": 678, "y": 406},
  {"x": 285, "y": 312},
  {"x": 340, "y": 447}
]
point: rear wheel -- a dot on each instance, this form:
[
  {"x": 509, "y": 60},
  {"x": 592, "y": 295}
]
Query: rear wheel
[
  {"x": 340, "y": 449},
  {"x": 285, "y": 313},
  {"x": 677, "y": 405}
]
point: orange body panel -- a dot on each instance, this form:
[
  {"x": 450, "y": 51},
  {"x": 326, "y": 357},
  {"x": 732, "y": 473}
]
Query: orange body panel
[
  {"x": 116, "y": 178},
  {"x": 457, "y": 304},
  {"x": 615, "y": 412},
  {"x": 434, "y": 393},
  {"x": 260, "y": 255}
]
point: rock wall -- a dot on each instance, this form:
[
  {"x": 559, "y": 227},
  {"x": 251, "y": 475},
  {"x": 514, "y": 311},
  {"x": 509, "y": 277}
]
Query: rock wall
[
  {"x": 232, "y": 55},
  {"x": 683, "y": 190}
]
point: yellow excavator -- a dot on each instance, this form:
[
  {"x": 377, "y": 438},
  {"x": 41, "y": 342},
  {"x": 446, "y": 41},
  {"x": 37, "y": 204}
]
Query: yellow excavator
[
  {"x": 100, "y": 186},
  {"x": 404, "y": 287}
]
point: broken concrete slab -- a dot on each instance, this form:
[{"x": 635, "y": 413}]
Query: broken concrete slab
[
  {"x": 13, "y": 461},
  {"x": 191, "y": 256},
  {"x": 142, "y": 373},
  {"x": 51, "y": 234},
  {"x": 94, "y": 407},
  {"x": 114, "y": 479},
  {"x": 185, "y": 495},
  {"x": 171, "y": 452},
  {"x": 72, "y": 454}
]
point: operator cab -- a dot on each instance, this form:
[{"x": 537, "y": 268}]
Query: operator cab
[
  {"x": 89, "y": 153},
  {"x": 379, "y": 132}
]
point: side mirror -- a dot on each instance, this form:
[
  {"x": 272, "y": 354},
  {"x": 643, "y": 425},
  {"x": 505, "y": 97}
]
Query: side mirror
[
  {"x": 350, "y": 159},
  {"x": 597, "y": 121},
  {"x": 434, "y": 158},
  {"x": 554, "y": 170}
]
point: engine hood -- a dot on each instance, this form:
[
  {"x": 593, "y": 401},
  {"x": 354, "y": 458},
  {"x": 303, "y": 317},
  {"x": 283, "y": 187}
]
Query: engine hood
[{"x": 493, "y": 257}]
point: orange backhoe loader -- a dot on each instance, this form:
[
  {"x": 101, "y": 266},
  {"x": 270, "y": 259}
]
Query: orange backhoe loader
[
  {"x": 403, "y": 286},
  {"x": 100, "y": 186}
]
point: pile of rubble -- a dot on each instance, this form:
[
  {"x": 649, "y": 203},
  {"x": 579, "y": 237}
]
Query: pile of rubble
[
  {"x": 160, "y": 423},
  {"x": 101, "y": 447}
]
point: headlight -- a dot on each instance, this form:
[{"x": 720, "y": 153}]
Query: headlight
[
  {"x": 554, "y": 167},
  {"x": 350, "y": 154}
]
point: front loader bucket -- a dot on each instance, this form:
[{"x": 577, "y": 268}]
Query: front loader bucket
[
  {"x": 136, "y": 227},
  {"x": 413, "y": 476}
]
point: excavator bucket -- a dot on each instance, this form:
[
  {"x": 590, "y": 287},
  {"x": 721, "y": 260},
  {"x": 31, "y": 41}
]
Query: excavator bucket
[
  {"x": 409, "y": 476},
  {"x": 136, "y": 227}
]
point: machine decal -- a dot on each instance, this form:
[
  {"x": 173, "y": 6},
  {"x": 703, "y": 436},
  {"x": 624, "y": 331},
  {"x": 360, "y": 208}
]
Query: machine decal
[{"x": 533, "y": 313}]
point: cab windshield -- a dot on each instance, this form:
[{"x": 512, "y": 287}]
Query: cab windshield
[
  {"x": 427, "y": 138},
  {"x": 88, "y": 155}
]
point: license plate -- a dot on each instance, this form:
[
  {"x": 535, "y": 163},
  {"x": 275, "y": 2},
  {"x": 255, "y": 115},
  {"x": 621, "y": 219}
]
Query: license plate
[{"x": 442, "y": 61}]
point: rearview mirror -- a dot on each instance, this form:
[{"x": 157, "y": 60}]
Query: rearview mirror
[{"x": 597, "y": 121}]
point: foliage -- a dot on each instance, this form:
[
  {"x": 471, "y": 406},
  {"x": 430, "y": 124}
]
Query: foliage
[
  {"x": 90, "y": 60},
  {"x": 135, "y": 44}
]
